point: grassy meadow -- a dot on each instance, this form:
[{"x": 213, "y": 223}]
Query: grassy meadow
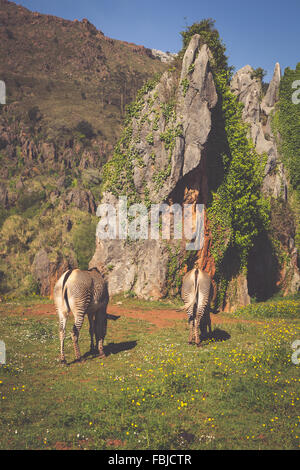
[{"x": 240, "y": 390}]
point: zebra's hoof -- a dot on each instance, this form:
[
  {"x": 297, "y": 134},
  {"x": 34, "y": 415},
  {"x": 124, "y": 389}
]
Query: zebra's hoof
[
  {"x": 191, "y": 342},
  {"x": 63, "y": 361},
  {"x": 199, "y": 345}
]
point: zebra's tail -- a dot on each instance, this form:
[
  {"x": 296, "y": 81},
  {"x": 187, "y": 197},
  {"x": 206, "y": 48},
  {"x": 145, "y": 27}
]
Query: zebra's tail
[
  {"x": 64, "y": 288},
  {"x": 193, "y": 300}
]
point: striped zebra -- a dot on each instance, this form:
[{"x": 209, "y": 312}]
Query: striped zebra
[
  {"x": 82, "y": 292},
  {"x": 195, "y": 292}
]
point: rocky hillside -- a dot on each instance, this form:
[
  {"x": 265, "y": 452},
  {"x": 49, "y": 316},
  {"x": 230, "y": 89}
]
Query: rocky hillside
[
  {"x": 197, "y": 137},
  {"x": 67, "y": 87}
]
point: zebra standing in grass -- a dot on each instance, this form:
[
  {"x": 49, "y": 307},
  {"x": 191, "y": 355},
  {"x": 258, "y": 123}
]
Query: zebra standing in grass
[
  {"x": 196, "y": 289},
  {"x": 82, "y": 292}
]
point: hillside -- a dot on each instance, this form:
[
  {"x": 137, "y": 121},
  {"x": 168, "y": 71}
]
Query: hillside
[
  {"x": 70, "y": 70},
  {"x": 67, "y": 87}
]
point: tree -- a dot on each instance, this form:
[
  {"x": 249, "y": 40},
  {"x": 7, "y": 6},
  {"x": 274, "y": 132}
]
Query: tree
[
  {"x": 210, "y": 36},
  {"x": 259, "y": 73}
]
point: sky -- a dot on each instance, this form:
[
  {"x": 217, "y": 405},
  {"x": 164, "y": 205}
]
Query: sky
[{"x": 258, "y": 32}]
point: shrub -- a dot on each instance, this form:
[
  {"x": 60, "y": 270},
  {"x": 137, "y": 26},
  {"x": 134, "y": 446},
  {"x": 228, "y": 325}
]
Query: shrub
[
  {"x": 85, "y": 128},
  {"x": 34, "y": 114},
  {"x": 30, "y": 200},
  {"x": 258, "y": 73},
  {"x": 210, "y": 36},
  {"x": 84, "y": 242}
]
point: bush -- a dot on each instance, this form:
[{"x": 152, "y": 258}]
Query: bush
[
  {"x": 84, "y": 242},
  {"x": 34, "y": 114},
  {"x": 287, "y": 123},
  {"x": 210, "y": 36},
  {"x": 258, "y": 73},
  {"x": 29, "y": 203},
  {"x": 3, "y": 215},
  {"x": 85, "y": 128}
]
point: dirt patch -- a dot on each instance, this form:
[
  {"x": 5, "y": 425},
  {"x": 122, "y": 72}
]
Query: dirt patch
[
  {"x": 62, "y": 446},
  {"x": 158, "y": 318},
  {"x": 115, "y": 443}
]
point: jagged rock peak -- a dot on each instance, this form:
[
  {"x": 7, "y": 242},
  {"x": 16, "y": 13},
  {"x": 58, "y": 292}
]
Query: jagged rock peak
[
  {"x": 257, "y": 113},
  {"x": 272, "y": 94},
  {"x": 248, "y": 90}
]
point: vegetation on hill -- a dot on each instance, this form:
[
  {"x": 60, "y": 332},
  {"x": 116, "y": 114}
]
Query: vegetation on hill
[
  {"x": 67, "y": 88},
  {"x": 286, "y": 125}
]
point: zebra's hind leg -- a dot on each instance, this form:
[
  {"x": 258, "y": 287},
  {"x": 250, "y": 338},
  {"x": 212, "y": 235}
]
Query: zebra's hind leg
[
  {"x": 199, "y": 315},
  {"x": 75, "y": 335},
  {"x": 93, "y": 347},
  {"x": 62, "y": 335},
  {"x": 209, "y": 324},
  {"x": 191, "y": 328},
  {"x": 100, "y": 330}
]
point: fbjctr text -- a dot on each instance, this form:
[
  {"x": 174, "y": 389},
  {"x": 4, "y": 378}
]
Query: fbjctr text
[{"x": 157, "y": 459}]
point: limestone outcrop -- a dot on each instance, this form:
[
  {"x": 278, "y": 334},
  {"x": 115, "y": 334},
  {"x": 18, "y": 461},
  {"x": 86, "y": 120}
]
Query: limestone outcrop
[
  {"x": 166, "y": 57},
  {"x": 258, "y": 113},
  {"x": 168, "y": 146},
  {"x": 170, "y": 138}
]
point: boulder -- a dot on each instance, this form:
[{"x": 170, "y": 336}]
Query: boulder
[{"x": 47, "y": 267}]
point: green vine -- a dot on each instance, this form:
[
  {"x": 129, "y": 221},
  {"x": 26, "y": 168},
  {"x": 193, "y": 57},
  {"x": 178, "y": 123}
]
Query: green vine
[
  {"x": 185, "y": 83},
  {"x": 238, "y": 210},
  {"x": 118, "y": 172}
]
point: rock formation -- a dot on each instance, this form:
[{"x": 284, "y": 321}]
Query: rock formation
[
  {"x": 171, "y": 147},
  {"x": 166, "y": 57},
  {"x": 258, "y": 113},
  {"x": 47, "y": 267}
]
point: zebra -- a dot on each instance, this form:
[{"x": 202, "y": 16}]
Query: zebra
[
  {"x": 82, "y": 292},
  {"x": 195, "y": 292}
]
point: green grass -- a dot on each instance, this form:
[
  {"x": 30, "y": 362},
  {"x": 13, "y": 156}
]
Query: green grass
[
  {"x": 153, "y": 390},
  {"x": 288, "y": 307},
  {"x": 130, "y": 300}
]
